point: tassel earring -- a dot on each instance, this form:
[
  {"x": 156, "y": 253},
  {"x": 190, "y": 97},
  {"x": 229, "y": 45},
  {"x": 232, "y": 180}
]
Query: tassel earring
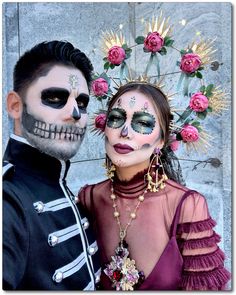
[
  {"x": 110, "y": 168},
  {"x": 156, "y": 182}
]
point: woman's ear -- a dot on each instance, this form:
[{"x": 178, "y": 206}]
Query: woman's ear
[{"x": 14, "y": 105}]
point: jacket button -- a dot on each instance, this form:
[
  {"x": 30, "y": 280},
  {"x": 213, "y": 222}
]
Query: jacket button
[
  {"x": 39, "y": 206},
  {"x": 58, "y": 277},
  {"x": 91, "y": 250},
  {"x": 86, "y": 225},
  {"x": 52, "y": 240}
]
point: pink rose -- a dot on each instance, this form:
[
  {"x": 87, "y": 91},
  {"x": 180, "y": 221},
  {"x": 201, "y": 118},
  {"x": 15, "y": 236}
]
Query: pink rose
[
  {"x": 100, "y": 87},
  {"x": 190, "y": 62},
  {"x": 189, "y": 133},
  {"x": 153, "y": 42},
  {"x": 116, "y": 55},
  {"x": 174, "y": 144},
  {"x": 198, "y": 102},
  {"x": 100, "y": 121}
]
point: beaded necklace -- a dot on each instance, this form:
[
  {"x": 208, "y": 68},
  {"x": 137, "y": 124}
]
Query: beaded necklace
[{"x": 122, "y": 270}]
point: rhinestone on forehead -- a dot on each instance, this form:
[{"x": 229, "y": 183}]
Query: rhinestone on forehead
[
  {"x": 74, "y": 81},
  {"x": 145, "y": 107},
  {"x": 132, "y": 101}
]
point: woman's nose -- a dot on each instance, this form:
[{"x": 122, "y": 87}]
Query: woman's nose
[{"x": 124, "y": 132}]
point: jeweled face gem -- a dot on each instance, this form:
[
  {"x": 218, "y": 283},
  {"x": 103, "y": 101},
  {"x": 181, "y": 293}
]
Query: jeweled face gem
[
  {"x": 132, "y": 101},
  {"x": 74, "y": 81}
]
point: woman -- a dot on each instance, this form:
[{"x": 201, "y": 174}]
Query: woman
[{"x": 153, "y": 232}]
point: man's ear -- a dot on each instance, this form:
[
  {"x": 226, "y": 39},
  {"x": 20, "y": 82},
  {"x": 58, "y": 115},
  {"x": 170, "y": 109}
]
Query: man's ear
[{"x": 14, "y": 105}]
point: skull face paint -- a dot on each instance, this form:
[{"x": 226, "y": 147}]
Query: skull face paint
[
  {"x": 142, "y": 129},
  {"x": 54, "y": 117}
]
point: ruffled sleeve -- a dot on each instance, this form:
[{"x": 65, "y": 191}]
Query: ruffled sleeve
[{"x": 203, "y": 260}]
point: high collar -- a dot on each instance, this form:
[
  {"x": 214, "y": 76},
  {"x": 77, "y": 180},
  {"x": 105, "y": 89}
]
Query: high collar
[
  {"x": 24, "y": 156},
  {"x": 130, "y": 188}
]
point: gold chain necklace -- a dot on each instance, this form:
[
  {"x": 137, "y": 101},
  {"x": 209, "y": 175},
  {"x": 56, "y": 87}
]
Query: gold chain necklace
[{"x": 122, "y": 270}]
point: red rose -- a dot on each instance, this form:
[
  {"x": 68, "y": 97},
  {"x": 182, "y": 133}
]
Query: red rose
[
  {"x": 100, "y": 121},
  {"x": 153, "y": 42},
  {"x": 100, "y": 87},
  {"x": 190, "y": 63},
  {"x": 189, "y": 133},
  {"x": 116, "y": 55},
  {"x": 198, "y": 102}
]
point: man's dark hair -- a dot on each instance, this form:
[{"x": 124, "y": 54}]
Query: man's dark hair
[{"x": 38, "y": 61}]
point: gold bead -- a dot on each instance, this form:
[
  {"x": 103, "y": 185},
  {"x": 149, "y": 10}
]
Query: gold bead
[
  {"x": 141, "y": 198},
  {"x": 116, "y": 214},
  {"x": 113, "y": 197},
  {"x": 133, "y": 215}
]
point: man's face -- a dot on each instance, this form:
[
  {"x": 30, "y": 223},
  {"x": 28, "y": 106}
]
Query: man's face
[
  {"x": 132, "y": 131},
  {"x": 54, "y": 115}
]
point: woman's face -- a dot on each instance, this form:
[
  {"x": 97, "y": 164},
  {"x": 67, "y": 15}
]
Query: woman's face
[{"x": 132, "y": 130}]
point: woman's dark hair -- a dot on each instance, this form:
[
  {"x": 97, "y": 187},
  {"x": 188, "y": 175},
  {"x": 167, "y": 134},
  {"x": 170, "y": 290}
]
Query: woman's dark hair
[
  {"x": 37, "y": 62},
  {"x": 169, "y": 160}
]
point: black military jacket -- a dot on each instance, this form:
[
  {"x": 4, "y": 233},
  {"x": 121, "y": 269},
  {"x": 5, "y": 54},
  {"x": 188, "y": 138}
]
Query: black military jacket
[{"x": 47, "y": 240}]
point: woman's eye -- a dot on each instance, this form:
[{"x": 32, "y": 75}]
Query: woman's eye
[{"x": 145, "y": 124}]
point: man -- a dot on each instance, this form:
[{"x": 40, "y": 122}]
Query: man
[{"x": 47, "y": 242}]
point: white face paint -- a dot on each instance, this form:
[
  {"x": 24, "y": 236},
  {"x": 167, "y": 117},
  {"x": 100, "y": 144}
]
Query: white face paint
[
  {"x": 55, "y": 118},
  {"x": 132, "y": 131}
]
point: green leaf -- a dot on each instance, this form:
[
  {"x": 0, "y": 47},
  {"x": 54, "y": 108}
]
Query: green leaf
[
  {"x": 196, "y": 123},
  {"x": 179, "y": 137},
  {"x": 209, "y": 109},
  {"x": 112, "y": 66},
  {"x": 106, "y": 65},
  {"x": 185, "y": 115},
  {"x": 163, "y": 51},
  {"x": 199, "y": 75},
  {"x": 202, "y": 88},
  {"x": 168, "y": 42},
  {"x": 209, "y": 90},
  {"x": 124, "y": 46},
  {"x": 191, "y": 75},
  {"x": 202, "y": 115},
  {"x": 201, "y": 68},
  {"x": 105, "y": 59},
  {"x": 140, "y": 40},
  {"x": 182, "y": 52},
  {"x": 128, "y": 50}
]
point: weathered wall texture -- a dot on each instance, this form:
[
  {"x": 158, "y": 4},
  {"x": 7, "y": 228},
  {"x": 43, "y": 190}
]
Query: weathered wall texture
[{"x": 25, "y": 24}]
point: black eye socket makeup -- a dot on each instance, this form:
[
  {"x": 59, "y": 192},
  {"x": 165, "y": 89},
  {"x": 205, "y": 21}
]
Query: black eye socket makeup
[
  {"x": 143, "y": 122},
  {"x": 55, "y": 97},
  {"x": 82, "y": 102},
  {"x": 116, "y": 118}
]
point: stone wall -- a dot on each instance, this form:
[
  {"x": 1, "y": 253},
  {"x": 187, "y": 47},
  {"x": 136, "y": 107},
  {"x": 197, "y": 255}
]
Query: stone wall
[{"x": 81, "y": 23}]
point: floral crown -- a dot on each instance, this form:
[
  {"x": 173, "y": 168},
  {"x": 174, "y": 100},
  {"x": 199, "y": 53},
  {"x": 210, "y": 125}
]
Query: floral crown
[{"x": 193, "y": 64}]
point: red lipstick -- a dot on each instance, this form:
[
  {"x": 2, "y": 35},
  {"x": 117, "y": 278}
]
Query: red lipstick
[{"x": 123, "y": 148}]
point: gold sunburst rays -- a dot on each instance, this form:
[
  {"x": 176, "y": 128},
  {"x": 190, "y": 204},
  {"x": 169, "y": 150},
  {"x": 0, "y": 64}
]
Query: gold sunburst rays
[
  {"x": 200, "y": 146},
  {"x": 219, "y": 101},
  {"x": 110, "y": 39},
  {"x": 205, "y": 50},
  {"x": 159, "y": 24}
]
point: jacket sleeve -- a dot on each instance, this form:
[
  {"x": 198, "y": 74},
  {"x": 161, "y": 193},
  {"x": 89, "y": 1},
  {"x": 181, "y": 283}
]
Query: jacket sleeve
[
  {"x": 15, "y": 239},
  {"x": 203, "y": 260}
]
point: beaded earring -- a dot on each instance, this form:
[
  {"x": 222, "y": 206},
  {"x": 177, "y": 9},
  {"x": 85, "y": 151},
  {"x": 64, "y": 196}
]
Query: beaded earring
[
  {"x": 156, "y": 176},
  {"x": 110, "y": 168}
]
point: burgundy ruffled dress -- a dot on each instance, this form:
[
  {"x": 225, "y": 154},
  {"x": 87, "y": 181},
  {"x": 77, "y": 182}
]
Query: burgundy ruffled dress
[{"x": 172, "y": 239}]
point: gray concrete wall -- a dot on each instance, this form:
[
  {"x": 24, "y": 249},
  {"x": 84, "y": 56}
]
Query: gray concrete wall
[{"x": 25, "y": 24}]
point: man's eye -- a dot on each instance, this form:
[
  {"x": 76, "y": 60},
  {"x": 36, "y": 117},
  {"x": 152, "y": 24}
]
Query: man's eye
[
  {"x": 53, "y": 99},
  {"x": 81, "y": 104}
]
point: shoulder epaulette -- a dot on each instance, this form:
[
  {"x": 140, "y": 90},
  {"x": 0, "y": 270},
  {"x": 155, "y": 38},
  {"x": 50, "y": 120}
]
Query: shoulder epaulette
[{"x": 7, "y": 169}]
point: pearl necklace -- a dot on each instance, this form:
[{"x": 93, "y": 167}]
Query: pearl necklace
[{"x": 122, "y": 270}]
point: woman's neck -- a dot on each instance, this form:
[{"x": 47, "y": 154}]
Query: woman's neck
[{"x": 126, "y": 173}]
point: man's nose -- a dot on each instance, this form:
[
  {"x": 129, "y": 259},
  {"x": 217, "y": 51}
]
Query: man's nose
[{"x": 72, "y": 109}]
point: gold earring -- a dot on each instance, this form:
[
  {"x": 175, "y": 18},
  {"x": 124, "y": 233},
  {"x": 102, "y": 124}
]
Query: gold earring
[
  {"x": 156, "y": 176},
  {"x": 110, "y": 168}
]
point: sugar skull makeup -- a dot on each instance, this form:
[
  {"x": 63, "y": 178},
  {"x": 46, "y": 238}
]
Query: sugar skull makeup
[
  {"x": 54, "y": 115},
  {"x": 132, "y": 134}
]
